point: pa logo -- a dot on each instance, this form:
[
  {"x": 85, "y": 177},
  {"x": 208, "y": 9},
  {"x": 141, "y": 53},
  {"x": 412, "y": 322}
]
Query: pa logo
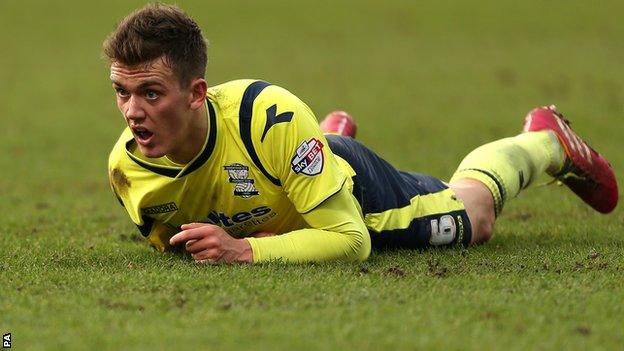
[{"x": 6, "y": 341}]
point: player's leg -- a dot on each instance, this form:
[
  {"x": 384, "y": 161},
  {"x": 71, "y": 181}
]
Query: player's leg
[
  {"x": 488, "y": 175},
  {"x": 507, "y": 166},
  {"x": 497, "y": 171},
  {"x": 475, "y": 195},
  {"x": 402, "y": 209},
  {"x": 479, "y": 205}
]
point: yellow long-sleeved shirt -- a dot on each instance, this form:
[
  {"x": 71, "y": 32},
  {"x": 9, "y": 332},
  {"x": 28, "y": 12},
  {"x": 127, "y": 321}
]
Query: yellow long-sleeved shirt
[{"x": 265, "y": 166}]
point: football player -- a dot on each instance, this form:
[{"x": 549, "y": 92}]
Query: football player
[{"x": 241, "y": 172}]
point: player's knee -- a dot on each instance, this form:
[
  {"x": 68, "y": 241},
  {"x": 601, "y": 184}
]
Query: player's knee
[
  {"x": 479, "y": 206},
  {"x": 482, "y": 228}
]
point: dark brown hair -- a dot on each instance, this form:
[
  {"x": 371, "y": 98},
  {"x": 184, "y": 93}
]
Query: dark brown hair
[{"x": 159, "y": 30}]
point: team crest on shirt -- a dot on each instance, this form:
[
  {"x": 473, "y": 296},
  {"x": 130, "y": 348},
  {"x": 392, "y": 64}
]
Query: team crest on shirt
[
  {"x": 239, "y": 176},
  {"x": 308, "y": 158}
]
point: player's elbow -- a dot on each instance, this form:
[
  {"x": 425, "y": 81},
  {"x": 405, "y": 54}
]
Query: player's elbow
[
  {"x": 360, "y": 245},
  {"x": 364, "y": 249}
]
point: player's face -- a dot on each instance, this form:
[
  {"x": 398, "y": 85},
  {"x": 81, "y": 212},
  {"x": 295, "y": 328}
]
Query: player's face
[{"x": 156, "y": 108}]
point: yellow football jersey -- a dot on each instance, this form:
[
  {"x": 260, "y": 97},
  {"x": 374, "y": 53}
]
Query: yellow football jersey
[{"x": 264, "y": 162}]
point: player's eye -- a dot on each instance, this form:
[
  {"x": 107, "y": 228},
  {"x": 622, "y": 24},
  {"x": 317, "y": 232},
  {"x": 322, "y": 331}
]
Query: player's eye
[
  {"x": 122, "y": 93},
  {"x": 151, "y": 95}
]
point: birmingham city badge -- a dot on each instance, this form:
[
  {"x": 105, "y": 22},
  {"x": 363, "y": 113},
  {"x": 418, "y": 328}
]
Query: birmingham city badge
[{"x": 239, "y": 176}]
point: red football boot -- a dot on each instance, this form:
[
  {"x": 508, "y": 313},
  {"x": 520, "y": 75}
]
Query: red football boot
[
  {"x": 340, "y": 123},
  {"x": 585, "y": 171}
]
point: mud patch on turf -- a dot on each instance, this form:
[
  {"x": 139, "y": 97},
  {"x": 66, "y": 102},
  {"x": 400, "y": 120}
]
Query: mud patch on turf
[
  {"x": 225, "y": 306},
  {"x": 363, "y": 270},
  {"x": 488, "y": 315},
  {"x": 120, "y": 305},
  {"x": 592, "y": 263},
  {"x": 583, "y": 330},
  {"x": 180, "y": 301},
  {"x": 42, "y": 205},
  {"x": 505, "y": 76},
  {"x": 395, "y": 271},
  {"x": 559, "y": 86},
  {"x": 520, "y": 216},
  {"x": 435, "y": 269}
]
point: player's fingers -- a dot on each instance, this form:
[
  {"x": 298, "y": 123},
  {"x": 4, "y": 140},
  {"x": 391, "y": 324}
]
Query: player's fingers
[
  {"x": 203, "y": 244},
  {"x": 188, "y": 243},
  {"x": 185, "y": 235},
  {"x": 194, "y": 225},
  {"x": 178, "y": 238}
]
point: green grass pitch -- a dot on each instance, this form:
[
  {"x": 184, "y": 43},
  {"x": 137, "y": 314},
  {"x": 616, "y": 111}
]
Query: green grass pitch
[{"x": 427, "y": 81}]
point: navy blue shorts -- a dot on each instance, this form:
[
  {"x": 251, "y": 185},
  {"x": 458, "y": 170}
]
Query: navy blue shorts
[{"x": 402, "y": 209}]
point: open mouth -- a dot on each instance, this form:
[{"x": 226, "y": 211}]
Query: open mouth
[{"x": 142, "y": 134}]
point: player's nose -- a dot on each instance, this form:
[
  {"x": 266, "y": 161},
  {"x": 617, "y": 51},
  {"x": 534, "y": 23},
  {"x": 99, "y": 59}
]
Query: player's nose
[{"x": 133, "y": 109}]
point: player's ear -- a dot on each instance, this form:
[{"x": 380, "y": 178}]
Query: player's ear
[{"x": 198, "y": 90}]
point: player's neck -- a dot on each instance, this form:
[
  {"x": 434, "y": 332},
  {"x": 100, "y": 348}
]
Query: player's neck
[{"x": 194, "y": 140}]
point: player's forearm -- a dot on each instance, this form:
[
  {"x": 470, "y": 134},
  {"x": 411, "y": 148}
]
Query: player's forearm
[
  {"x": 311, "y": 245},
  {"x": 338, "y": 233}
]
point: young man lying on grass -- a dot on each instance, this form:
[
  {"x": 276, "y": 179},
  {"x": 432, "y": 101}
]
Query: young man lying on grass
[{"x": 242, "y": 172}]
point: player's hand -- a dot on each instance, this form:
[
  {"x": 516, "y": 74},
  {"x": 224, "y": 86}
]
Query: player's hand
[{"x": 210, "y": 243}]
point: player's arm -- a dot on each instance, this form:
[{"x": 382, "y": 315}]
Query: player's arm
[
  {"x": 337, "y": 233},
  {"x": 295, "y": 151}
]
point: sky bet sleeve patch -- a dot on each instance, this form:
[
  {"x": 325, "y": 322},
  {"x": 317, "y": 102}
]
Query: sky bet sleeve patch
[
  {"x": 294, "y": 150},
  {"x": 308, "y": 158}
]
